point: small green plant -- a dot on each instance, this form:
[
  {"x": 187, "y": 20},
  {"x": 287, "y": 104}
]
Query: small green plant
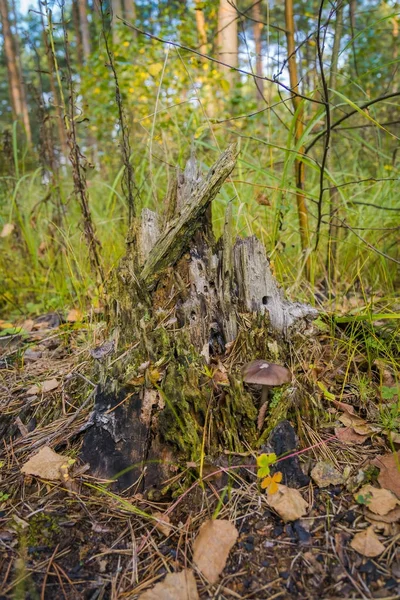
[
  {"x": 364, "y": 499},
  {"x": 269, "y": 482}
]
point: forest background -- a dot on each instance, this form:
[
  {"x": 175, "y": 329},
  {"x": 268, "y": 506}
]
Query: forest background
[{"x": 310, "y": 90}]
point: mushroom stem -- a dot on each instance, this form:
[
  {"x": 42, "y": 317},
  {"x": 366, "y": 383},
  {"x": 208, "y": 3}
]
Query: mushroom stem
[{"x": 264, "y": 395}]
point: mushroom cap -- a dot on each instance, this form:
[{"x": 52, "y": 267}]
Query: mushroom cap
[{"x": 265, "y": 373}]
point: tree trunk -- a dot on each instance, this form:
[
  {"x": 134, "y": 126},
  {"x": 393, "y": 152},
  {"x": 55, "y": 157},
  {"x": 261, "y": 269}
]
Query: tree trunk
[
  {"x": 185, "y": 320},
  {"x": 228, "y": 38},
  {"x": 257, "y": 29},
  {"x": 19, "y": 108},
  {"x": 130, "y": 10},
  {"x": 24, "y": 98},
  {"x": 201, "y": 26},
  {"x": 117, "y": 11},
  {"x": 84, "y": 24},
  {"x": 298, "y": 107},
  {"x": 77, "y": 30},
  {"x": 333, "y": 192}
]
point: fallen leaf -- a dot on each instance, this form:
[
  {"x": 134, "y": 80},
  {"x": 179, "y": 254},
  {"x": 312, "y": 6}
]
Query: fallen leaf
[
  {"x": 325, "y": 474},
  {"x": 176, "y": 586},
  {"x": 47, "y": 464},
  {"x": 357, "y": 423},
  {"x": 378, "y": 501},
  {"x": 163, "y": 523},
  {"x": 46, "y": 386},
  {"x": 74, "y": 315},
  {"x": 393, "y": 516},
  {"x": 5, "y": 324},
  {"x": 212, "y": 546},
  {"x": 367, "y": 543},
  {"x": 8, "y": 228},
  {"x": 347, "y": 435},
  {"x": 270, "y": 484},
  {"x": 389, "y": 476},
  {"x": 288, "y": 503},
  {"x": 347, "y": 408},
  {"x": 220, "y": 378}
]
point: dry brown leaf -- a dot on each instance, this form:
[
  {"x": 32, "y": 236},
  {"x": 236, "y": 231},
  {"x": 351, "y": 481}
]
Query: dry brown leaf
[
  {"x": 41, "y": 388},
  {"x": 347, "y": 435},
  {"x": 212, "y": 546},
  {"x": 393, "y": 516},
  {"x": 176, "y": 586},
  {"x": 288, "y": 503},
  {"x": 357, "y": 423},
  {"x": 48, "y": 465},
  {"x": 389, "y": 476},
  {"x": 163, "y": 523},
  {"x": 74, "y": 315},
  {"x": 325, "y": 474},
  {"x": 347, "y": 408},
  {"x": 7, "y": 230},
  {"x": 378, "y": 501},
  {"x": 367, "y": 543}
]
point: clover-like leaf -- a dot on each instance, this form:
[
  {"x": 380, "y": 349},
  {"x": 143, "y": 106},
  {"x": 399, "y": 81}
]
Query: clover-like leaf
[{"x": 264, "y": 461}]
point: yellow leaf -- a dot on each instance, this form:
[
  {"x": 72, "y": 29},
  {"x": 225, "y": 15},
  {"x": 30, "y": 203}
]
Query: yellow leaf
[
  {"x": 266, "y": 482},
  {"x": 155, "y": 69}
]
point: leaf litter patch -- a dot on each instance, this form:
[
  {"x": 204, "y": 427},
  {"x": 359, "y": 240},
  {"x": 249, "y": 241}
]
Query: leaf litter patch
[{"x": 281, "y": 535}]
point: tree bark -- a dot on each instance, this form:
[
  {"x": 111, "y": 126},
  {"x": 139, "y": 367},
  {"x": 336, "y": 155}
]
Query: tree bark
[
  {"x": 117, "y": 11},
  {"x": 84, "y": 25},
  {"x": 77, "y": 29},
  {"x": 257, "y": 29},
  {"x": 19, "y": 108},
  {"x": 184, "y": 321},
  {"x": 130, "y": 10},
  {"x": 298, "y": 107},
  {"x": 201, "y": 26},
  {"x": 333, "y": 192},
  {"x": 228, "y": 38}
]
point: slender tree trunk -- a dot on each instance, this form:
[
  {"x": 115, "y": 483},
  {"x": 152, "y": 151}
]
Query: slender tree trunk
[
  {"x": 84, "y": 25},
  {"x": 297, "y": 105},
  {"x": 228, "y": 37},
  {"x": 53, "y": 88},
  {"x": 24, "y": 99},
  {"x": 201, "y": 26},
  {"x": 77, "y": 29},
  {"x": 117, "y": 11},
  {"x": 257, "y": 29},
  {"x": 130, "y": 10},
  {"x": 19, "y": 107},
  {"x": 333, "y": 192}
]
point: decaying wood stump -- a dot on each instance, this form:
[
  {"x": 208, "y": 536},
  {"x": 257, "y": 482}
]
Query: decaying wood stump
[{"x": 187, "y": 311}]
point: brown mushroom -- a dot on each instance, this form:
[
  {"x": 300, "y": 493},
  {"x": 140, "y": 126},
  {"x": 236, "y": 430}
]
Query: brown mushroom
[{"x": 266, "y": 374}]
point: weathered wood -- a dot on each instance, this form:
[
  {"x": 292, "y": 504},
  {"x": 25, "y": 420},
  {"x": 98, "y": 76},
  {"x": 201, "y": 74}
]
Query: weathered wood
[
  {"x": 179, "y": 232},
  {"x": 181, "y": 299}
]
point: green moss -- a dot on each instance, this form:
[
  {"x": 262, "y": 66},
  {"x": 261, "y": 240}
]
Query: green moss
[{"x": 43, "y": 530}]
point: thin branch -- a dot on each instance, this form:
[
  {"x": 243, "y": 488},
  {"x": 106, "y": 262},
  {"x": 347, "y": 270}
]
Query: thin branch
[
  {"x": 218, "y": 62},
  {"x": 320, "y": 51},
  {"x": 350, "y": 114}
]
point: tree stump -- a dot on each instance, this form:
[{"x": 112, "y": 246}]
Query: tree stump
[{"x": 186, "y": 312}]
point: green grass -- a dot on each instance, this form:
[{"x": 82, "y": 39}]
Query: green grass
[{"x": 44, "y": 262}]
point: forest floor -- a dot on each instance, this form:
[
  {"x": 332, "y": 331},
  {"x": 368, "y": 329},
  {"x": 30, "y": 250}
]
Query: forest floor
[{"x": 75, "y": 538}]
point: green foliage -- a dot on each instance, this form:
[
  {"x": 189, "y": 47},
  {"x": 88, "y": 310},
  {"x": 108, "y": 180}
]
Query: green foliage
[{"x": 172, "y": 99}]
